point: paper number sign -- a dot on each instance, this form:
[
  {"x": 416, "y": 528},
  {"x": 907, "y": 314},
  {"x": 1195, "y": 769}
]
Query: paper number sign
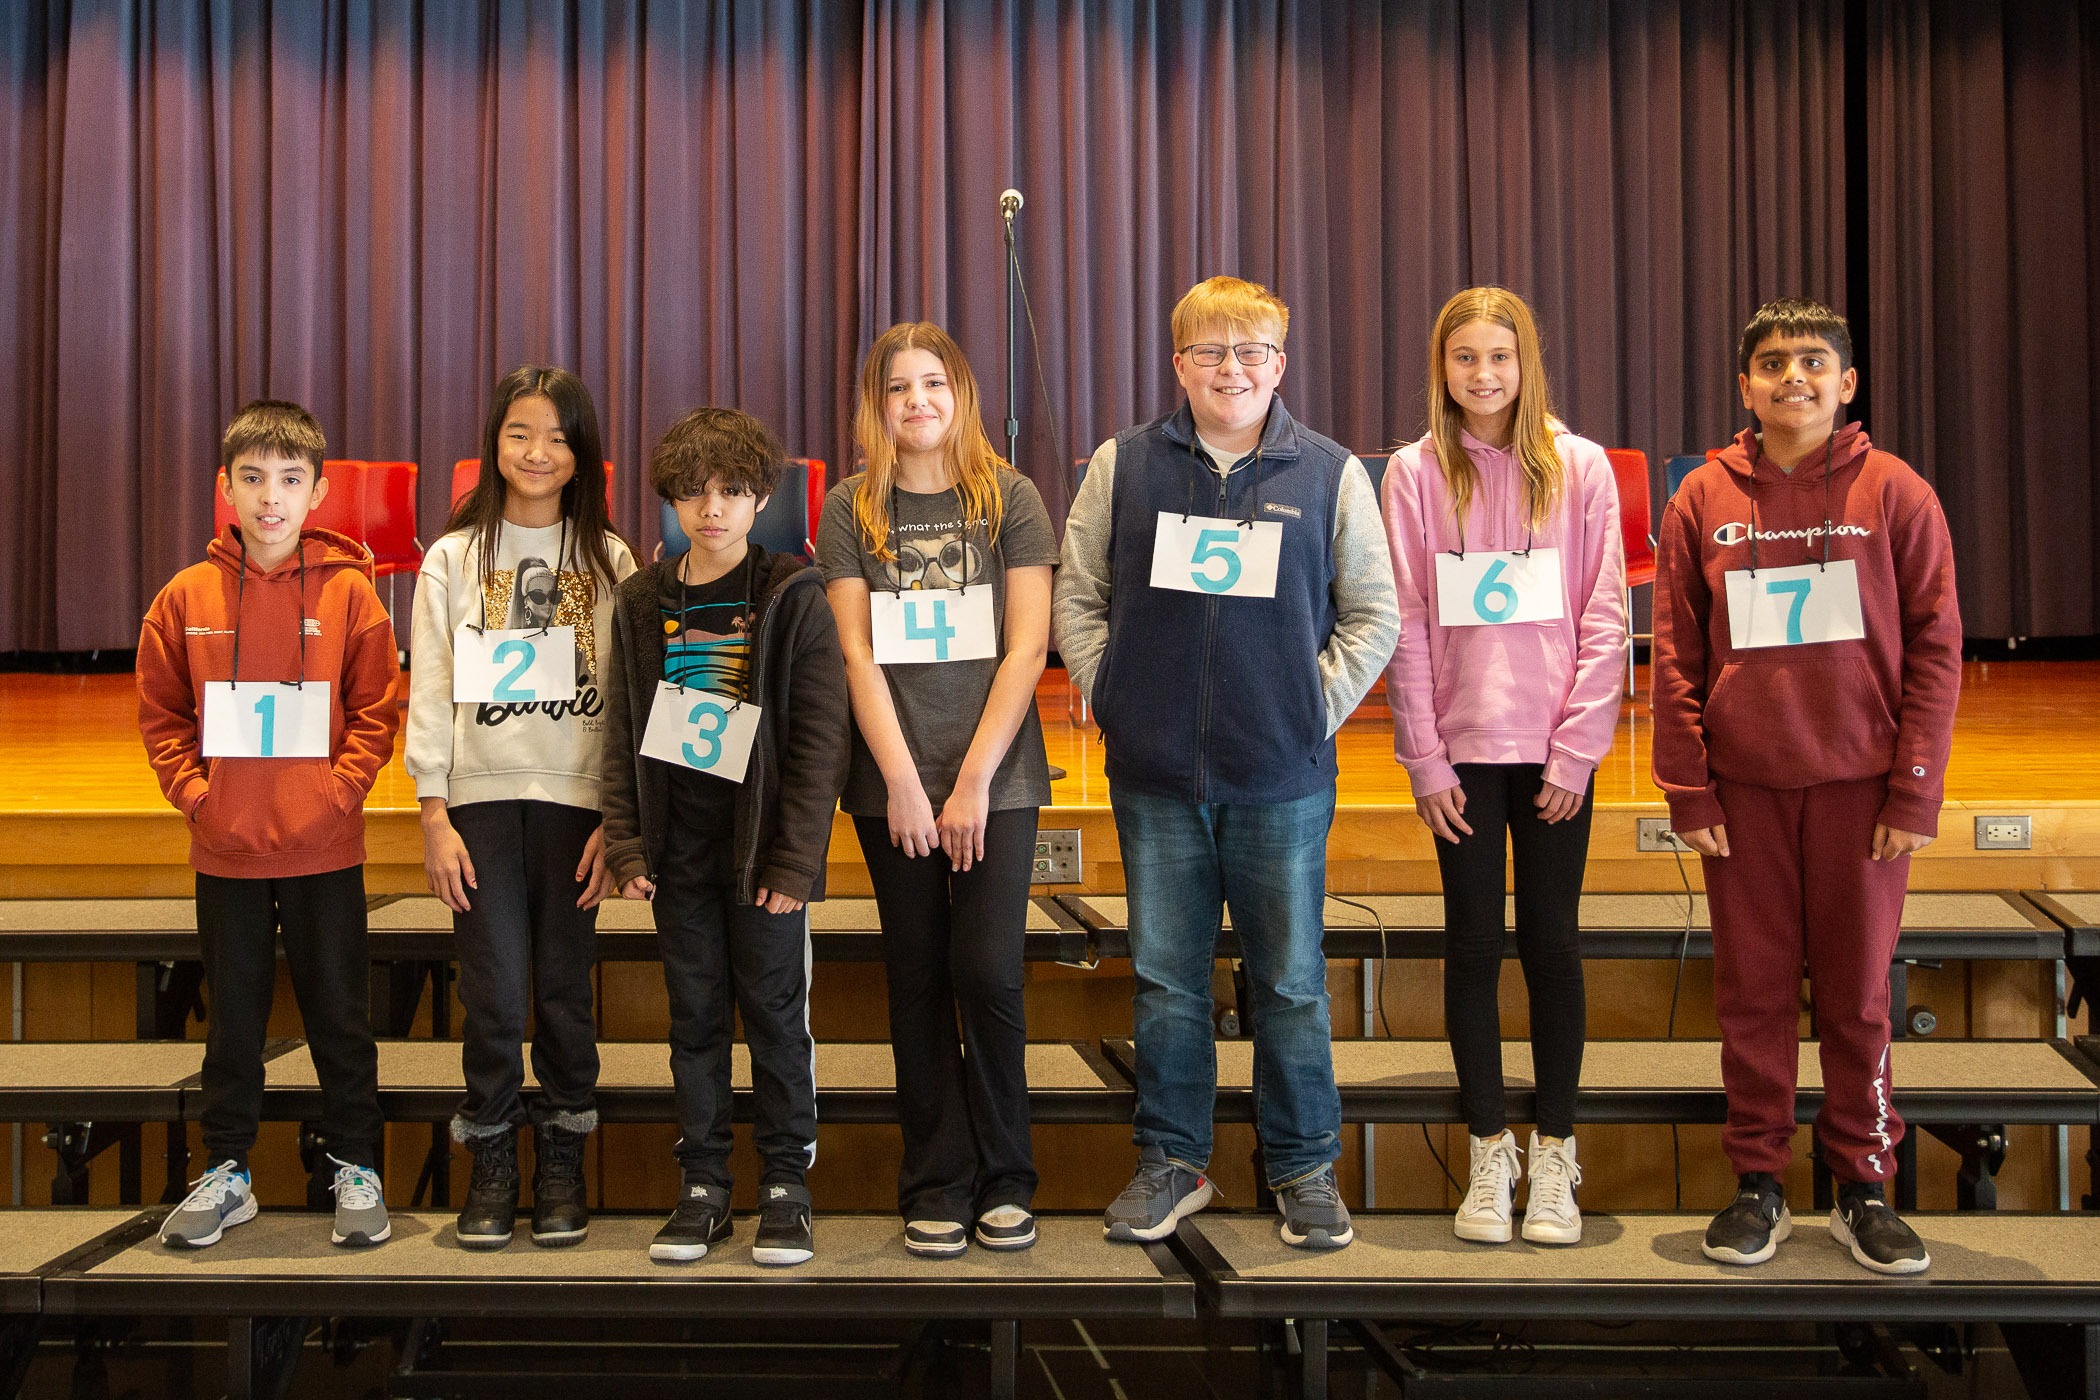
[
  {"x": 935, "y": 624},
  {"x": 1208, "y": 554},
  {"x": 1490, "y": 587},
  {"x": 700, "y": 730},
  {"x": 265, "y": 719},
  {"x": 1795, "y": 606},
  {"x": 503, "y": 666}
]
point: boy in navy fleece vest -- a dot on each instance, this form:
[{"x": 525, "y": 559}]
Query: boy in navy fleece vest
[{"x": 1225, "y": 598}]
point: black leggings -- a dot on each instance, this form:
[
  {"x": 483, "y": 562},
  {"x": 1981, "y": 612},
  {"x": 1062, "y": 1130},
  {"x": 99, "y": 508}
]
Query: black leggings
[
  {"x": 953, "y": 944},
  {"x": 1549, "y": 862}
]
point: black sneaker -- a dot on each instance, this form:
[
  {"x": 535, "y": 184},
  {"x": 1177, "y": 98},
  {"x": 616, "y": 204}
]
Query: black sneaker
[
  {"x": 783, "y": 1226},
  {"x": 1755, "y": 1225},
  {"x": 1868, "y": 1226},
  {"x": 700, "y": 1222},
  {"x": 937, "y": 1239}
]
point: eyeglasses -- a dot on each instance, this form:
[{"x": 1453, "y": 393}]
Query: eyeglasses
[
  {"x": 1247, "y": 352},
  {"x": 540, "y": 595}
]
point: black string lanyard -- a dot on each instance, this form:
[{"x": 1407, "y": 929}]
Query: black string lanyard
[
  {"x": 1205, "y": 462},
  {"x": 750, "y": 623},
  {"x": 896, "y": 541},
  {"x": 1829, "y": 456},
  {"x": 561, "y": 554},
  {"x": 1460, "y": 552},
  {"x": 240, "y": 598}
]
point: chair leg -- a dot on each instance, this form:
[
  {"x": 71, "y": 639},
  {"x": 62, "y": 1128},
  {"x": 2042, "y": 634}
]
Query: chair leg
[{"x": 1629, "y": 641}]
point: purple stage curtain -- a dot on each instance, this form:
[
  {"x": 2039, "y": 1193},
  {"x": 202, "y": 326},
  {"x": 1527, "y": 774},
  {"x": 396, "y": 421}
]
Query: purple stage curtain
[
  {"x": 377, "y": 207},
  {"x": 1985, "y": 238}
]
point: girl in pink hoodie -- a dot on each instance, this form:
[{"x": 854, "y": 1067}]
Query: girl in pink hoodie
[{"x": 1504, "y": 529}]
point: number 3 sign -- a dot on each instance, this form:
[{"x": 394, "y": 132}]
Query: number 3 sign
[
  {"x": 700, "y": 730},
  {"x": 514, "y": 666}
]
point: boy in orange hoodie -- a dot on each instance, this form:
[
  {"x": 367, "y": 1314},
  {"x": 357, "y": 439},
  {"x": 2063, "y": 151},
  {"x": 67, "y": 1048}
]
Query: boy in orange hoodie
[{"x": 266, "y": 677}]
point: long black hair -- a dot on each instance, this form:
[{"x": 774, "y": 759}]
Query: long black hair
[{"x": 582, "y": 500}]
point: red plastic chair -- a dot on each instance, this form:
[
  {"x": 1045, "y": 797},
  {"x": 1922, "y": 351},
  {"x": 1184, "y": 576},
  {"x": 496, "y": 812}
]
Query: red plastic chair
[
  {"x": 466, "y": 474},
  {"x": 1629, "y": 469}
]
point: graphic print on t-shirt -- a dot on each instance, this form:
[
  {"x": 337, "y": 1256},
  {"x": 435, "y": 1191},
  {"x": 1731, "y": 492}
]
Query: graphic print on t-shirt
[
  {"x": 534, "y": 595},
  {"x": 714, "y": 651},
  {"x": 938, "y": 554}
]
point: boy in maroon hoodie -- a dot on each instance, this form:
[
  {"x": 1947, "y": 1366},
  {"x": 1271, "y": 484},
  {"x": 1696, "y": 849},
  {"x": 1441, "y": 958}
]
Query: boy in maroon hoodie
[
  {"x": 266, "y": 678},
  {"x": 1807, "y": 662}
]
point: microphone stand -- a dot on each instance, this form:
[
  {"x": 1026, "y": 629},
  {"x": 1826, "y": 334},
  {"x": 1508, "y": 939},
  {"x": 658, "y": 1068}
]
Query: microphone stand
[{"x": 1013, "y": 364}]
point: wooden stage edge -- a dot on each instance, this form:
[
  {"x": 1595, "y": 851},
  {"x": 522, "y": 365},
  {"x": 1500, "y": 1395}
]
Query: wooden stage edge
[{"x": 87, "y": 820}]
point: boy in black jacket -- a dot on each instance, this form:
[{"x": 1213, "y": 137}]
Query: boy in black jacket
[{"x": 726, "y": 748}]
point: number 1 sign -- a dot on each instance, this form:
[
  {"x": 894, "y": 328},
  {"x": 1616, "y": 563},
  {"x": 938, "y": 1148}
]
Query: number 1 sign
[{"x": 265, "y": 719}]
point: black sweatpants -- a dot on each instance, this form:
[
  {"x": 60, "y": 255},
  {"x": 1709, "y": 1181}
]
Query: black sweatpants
[
  {"x": 722, "y": 956},
  {"x": 323, "y": 919},
  {"x": 525, "y": 946},
  {"x": 1549, "y": 863},
  {"x": 953, "y": 945}
]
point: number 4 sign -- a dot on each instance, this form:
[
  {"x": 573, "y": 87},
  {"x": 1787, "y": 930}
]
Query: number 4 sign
[{"x": 938, "y": 624}]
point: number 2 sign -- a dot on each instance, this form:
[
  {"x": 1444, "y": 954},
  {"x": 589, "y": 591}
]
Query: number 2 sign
[{"x": 503, "y": 666}]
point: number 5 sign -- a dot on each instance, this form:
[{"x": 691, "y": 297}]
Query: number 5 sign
[
  {"x": 938, "y": 624},
  {"x": 514, "y": 666},
  {"x": 1208, "y": 554}
]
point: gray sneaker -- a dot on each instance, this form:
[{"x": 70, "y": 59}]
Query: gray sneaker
[
  {"x": 360, "y": 1208},
  {"x": 1313, "y": 1214},
  {"x": 1156, "y": 1199},
  {"x": 218, "y": 1199}
]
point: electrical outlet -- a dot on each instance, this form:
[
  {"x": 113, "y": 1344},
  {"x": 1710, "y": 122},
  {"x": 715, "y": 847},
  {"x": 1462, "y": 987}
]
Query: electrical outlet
[
  {"x": 1056, "y": 858},
  {"x": 2004, "y": 834},
  {"x": 1654, "y": 834}
]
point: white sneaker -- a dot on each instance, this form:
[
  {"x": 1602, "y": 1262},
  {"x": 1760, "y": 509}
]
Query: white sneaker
[
  {"x": 1551, "y": 1215},
  {"x": 1483, "y": 1216}
]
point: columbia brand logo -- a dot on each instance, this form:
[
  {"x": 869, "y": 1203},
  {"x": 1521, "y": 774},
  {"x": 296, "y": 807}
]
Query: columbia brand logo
[{"x": 1279, "y": 508}]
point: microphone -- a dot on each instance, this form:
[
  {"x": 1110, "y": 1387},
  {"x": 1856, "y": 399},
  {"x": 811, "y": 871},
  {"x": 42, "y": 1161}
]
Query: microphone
[{"x": 1010, "y": 203}]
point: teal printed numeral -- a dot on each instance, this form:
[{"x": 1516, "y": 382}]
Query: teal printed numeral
[
  {"x": 938, "y": 634},
  {"x": 1798, "y": 588},
  {"x": 1492, "y": 586},
  {"x": 267, "y": 708},
  {"x": 506, "y": 691},
  {"x": 710, "y": 737},
  {"x": 1214, "y": 544}
]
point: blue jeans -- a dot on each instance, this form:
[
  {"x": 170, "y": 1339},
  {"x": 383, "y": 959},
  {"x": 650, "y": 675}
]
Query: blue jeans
[{"x": 1267, "y": 861}]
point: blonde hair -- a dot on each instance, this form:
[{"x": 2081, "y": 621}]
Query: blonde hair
[
  {"x": 1544, "y": 473},
  {"x": 1240, "y": 306},
  {"x": 970, "y": 458}
]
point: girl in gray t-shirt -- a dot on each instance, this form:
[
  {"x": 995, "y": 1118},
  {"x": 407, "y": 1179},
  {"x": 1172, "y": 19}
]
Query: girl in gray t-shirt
[{"x": 937, "y": 561}]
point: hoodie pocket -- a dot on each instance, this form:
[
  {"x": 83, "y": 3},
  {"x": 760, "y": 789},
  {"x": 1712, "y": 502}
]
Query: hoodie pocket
[
  {"x": 264, "y": 806},
  {"x": 1796, "y": 720}
]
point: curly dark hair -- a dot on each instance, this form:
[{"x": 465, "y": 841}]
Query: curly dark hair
[{"x": 724, "y": 445}]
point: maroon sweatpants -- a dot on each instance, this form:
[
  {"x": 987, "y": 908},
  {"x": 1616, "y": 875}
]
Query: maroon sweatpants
[{"x": 1800, "y": 889}]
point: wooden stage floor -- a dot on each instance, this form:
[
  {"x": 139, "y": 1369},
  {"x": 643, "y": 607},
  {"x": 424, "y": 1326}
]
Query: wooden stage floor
[{"x": 84, "y": 814}]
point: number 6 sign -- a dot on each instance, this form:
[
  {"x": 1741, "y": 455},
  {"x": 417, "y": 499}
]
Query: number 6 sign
[
  {"x": 514, "y": 666},
  {"x": 1487, "y": 587},
  {"x": 700, "y": 730}
]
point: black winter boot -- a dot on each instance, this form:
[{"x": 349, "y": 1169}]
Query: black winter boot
[
  {"x": 559, "y": 1215},
  {"x": 492, "y": 1195}
]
